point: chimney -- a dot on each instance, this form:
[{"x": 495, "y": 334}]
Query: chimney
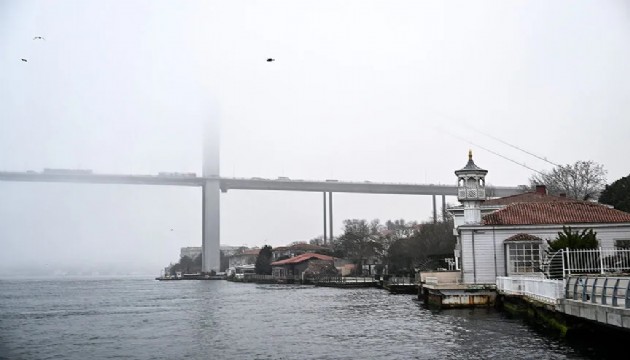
[{"x": 541, "y": 189}]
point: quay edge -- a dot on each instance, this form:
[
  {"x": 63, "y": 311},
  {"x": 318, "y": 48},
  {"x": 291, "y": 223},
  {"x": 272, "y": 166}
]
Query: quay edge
[{"x": 449, "y": 296}]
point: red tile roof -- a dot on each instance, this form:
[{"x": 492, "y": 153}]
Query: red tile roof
[
  {"x": 301, "y": 258},
  {"x": 556, "y": 212},
  {"x": 530, "y": 197}
]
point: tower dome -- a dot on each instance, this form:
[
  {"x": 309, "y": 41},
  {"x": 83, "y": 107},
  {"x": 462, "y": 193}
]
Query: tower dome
[
  {"x": 471, "y": 190},
  {"x": 471, "y": 181}
]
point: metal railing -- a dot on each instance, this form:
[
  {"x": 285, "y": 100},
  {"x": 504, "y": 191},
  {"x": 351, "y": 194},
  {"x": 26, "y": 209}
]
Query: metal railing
[
  {"x": 566, "y": 262},
  {"x": 341, "y": 280},
  {"x": 403, "y": 280},
  {"x": 610, "y": 291},
  {"x": 544, "y": 290}
]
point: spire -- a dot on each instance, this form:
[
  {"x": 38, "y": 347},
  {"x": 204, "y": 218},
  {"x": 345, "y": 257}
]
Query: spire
[{"x": 469, "y": 154}]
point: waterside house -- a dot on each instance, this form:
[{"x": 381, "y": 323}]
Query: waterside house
[
  {"x": 295, "y": 266},
  {"x": 246, "y": 257},
  {"x": 285, "y": 252},
  {"x": 508, "y": 236}
]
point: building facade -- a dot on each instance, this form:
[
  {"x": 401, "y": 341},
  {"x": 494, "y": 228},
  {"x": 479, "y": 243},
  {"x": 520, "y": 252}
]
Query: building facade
[
  {"x": 508, "y": 236},
  {"x": 246, "y": 257}
]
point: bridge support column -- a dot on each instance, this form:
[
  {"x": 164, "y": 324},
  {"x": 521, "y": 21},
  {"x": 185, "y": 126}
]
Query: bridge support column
[
  {"x": 211, "y": 204},
  {"x": 330, "y": 214},
  {"x": 443, "y": 207},
  {"x": 325, "y": 227},
  {"x": 434, "y": 210}
]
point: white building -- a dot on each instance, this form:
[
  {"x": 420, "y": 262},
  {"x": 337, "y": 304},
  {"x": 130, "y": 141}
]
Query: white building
[
  {"x": 191, "y": 251},
  {"x": 246, "y": 257},
  {"x": 507, "y": 236}
]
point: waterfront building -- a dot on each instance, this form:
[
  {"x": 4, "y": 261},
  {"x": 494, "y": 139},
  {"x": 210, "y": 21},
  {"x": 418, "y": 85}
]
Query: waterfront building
[
  {"x": 285, "y": 252},
  {"x": 228, "y": 250},
  {"x": 508, "y": 236},
  {"x": 245, "y": 257},
  {"x": 190, "y": 251},
  {"x": 296, "y": 265}
]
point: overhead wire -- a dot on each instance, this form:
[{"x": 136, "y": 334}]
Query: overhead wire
[{"x": 492, "y": 151}]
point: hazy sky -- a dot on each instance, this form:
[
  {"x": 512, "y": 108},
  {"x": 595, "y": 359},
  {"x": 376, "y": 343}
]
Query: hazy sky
[{"x": 393, "y": 91}]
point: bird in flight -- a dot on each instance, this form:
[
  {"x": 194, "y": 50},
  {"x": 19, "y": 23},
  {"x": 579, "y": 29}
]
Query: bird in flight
[
  {"x": 24, "y": 60},
  {"x": 270, "y": 60},
  {"x": 38, "y": 38}
]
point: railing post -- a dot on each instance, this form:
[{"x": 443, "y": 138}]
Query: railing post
[
  {"x": 601, "y": 260},
  {"x": 584, "y": 288},
  {"x": 593, "y": 290},
  {"x": 614, "y": 295},
  {"x": 575, "y": 286},
  {"x": 604, "y": 291},
  {"x": 568, "y": 261},
  {"x": 628, "y": 295}
]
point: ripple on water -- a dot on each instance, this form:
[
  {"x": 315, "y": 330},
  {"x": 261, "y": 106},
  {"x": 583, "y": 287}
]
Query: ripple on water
[{"x": 145, "y": 319}]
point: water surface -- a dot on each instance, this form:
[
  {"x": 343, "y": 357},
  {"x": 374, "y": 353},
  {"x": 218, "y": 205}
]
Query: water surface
[{"x": 140, "y": 318}]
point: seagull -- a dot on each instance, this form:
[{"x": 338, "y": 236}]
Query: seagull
[
  {"x": 270, "y": 60},
  {"x": 24, "y": 60},
  {"x": 38, "y": 38}
]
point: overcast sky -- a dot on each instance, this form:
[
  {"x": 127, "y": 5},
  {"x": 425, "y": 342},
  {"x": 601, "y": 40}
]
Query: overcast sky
[{"x": 394, "y": 91}]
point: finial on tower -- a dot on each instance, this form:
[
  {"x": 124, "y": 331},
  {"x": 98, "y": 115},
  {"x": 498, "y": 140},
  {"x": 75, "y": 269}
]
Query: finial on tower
[{"x": 470, "y": 154}]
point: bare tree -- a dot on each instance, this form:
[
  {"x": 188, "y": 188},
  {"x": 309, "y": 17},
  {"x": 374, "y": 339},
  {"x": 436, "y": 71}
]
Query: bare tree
[{"x": 583, "y": 180}]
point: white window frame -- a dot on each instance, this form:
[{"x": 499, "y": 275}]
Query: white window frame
[{"x": 528, "y": 257}]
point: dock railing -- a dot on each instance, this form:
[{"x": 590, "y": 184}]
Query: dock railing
[
  {"x": 536, "y": 287},
  {"x": 342, "y": 279},
  {"x": 610, "y": 291},
  {"x": 600, "y": 261},
  {"x": 566, "y": 262},
  {"x": 401, "y": 280}
]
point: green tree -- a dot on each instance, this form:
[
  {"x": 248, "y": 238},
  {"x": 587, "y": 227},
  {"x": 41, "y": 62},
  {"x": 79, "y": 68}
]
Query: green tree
[
  {"x": 617, "y": 194},
  {"x": 360, "y": 241},
  {"x": 425, "y": 242},
  {"x": 583, "y": 180},
  {"x": 319, "y": 241},
  {"x": 263, "y": 261},
  {"x": 586, "y": 239},
  {"x": 187, "y": 265}
]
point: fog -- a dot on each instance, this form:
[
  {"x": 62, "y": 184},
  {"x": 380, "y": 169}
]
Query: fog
[{"x": 394, "y": 91}]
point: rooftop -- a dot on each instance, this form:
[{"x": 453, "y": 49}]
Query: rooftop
[
  {"x": 248, "y": 252},
  {"x": 301, "y": 258},
  {"x": 300, "y": 246},
  {"x": 471, "y": 167},
  {"x": 538, "y": 196},
  {"x": 556, "y": 212}
]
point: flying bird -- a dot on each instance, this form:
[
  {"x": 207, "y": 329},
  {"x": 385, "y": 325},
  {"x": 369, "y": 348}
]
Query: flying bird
[
  {"x": 38, "y": 38},
  {"x": 24, "y": 60},
  {"x": 270, "y": 60}
]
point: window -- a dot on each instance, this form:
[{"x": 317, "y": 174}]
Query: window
[
  {"x": 523, "y": 257},
  {"x": 622, "y": 244}
]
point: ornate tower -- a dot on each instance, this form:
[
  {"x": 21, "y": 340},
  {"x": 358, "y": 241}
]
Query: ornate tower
[{"x": 471, "y": 190}]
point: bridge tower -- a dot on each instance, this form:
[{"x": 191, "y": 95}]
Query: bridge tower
[
  {"x": 211, "y": 204},
  {"x": 471, "y": 190}
]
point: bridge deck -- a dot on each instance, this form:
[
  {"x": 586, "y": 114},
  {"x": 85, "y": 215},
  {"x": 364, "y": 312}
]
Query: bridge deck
[{"x": 226, "y": 184}]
